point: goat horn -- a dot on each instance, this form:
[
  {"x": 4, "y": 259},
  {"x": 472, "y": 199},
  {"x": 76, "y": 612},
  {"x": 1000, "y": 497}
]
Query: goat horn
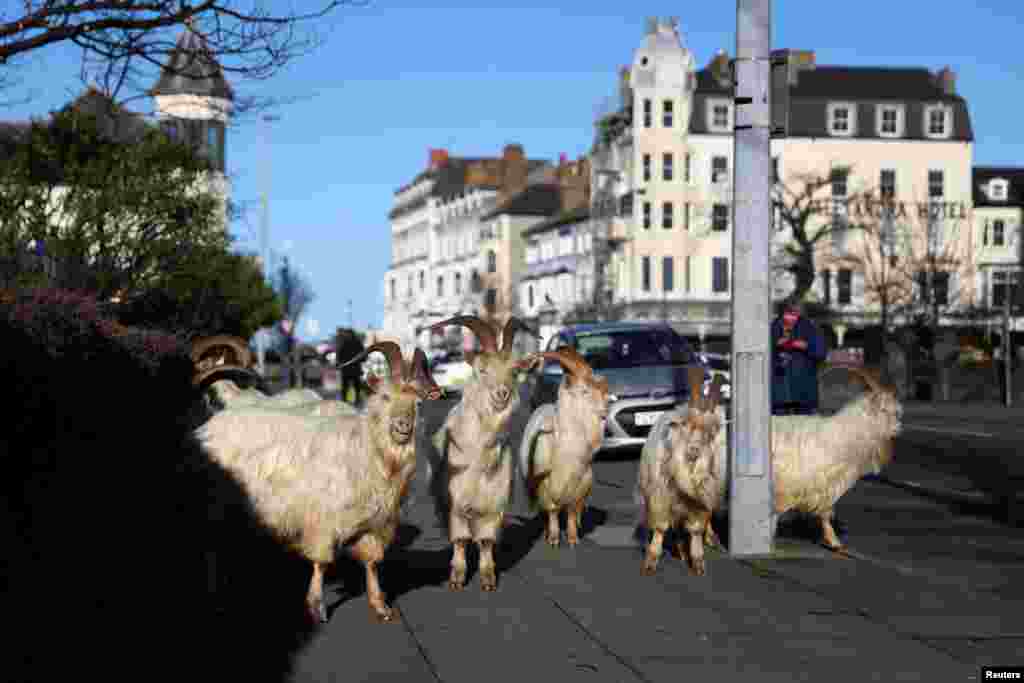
[
  {"x": 509, "y": 332},
  {"x": 243, "y": 356},
  {"x": 421, "y": 373},
  {"x": 207, "y": 377},
  {"x": 392, "y": 351},
  {"x": 865, "y": 376},
  {"x": 695, "y": 378},
  {"x": 481, "y": 328},
  {"x": 567, "y": 357}
]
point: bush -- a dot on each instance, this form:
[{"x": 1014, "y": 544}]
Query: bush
[{"x": 115, "y": 541}]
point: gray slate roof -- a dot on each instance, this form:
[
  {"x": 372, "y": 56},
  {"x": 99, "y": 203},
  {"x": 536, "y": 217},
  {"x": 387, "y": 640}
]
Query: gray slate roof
[
  {"x": 192, "y": 70},
  {"x": 535, "y": 200}
]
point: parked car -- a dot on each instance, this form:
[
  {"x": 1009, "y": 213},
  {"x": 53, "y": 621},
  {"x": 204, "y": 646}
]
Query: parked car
[
  {"x": 450, "y": 371},
  {"x": 646, "y": 364}
]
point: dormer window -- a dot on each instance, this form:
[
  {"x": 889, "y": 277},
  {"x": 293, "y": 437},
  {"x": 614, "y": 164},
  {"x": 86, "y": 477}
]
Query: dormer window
[
  {"x": 997, "y": 190},
  {"x": 890, "y": 120},
  {"x": 719, "y": 116},
  {"x": 842, "y": 119},
  {"x": 938, "y": 121}
]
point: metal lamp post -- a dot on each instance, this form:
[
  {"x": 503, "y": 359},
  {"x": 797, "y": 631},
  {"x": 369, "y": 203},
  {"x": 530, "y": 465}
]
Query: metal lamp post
[{"x": 265, "y": 232}]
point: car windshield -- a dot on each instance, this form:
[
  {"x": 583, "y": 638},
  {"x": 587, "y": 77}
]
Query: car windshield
[{"x": 630, "y": 348}]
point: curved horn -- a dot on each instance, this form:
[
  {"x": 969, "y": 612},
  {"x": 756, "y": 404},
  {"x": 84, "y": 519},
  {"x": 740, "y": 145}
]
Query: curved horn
[
  {"x": 243, "y": 356},
  {"x": 508, "y": 334},
  {"x": 695, "y": 378},
  {"x": 567, "y": 357},
  {"x": 392, "y": 351},
  {"x": 202, "y": 380},
  {"x": 481, "y": 328},
  {"x": 866, "y": 377},
  {"x": 421, "y": 373}
]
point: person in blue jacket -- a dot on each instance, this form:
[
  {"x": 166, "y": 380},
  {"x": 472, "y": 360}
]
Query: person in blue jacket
[{"x": 798, "y": 347}]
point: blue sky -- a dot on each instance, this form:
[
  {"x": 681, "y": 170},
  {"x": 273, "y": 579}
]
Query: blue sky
[{"x": 395, "y": 78}]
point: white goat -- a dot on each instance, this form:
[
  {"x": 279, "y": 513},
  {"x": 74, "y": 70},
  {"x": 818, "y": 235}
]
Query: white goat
[
  {"x": 815, "y": 460},
  {"x": 557, "y": 452},
  {"x": 326, "y": 482},
  {"x": 475, "y": 446}
]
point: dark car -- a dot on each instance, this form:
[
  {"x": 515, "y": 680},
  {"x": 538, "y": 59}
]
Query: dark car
[{"x": 646, "y": 364}]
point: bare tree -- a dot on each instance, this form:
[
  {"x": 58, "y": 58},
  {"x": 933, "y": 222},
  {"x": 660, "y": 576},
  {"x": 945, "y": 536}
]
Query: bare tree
[
  {"x": 812, "y": 211},
  {"x": 124, "y": 42}
]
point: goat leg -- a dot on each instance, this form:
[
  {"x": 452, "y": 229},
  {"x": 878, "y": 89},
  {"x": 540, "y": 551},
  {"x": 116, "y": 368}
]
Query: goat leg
[
  {"x": 315, "y": 608},
  {"x": 554, "y": 534},
  {"x": 695, "y": 556},
  {"x": 710, "y": 537},
  {"x": 650, "y": 564},
  {"x": 458, "y": 576},
  {"x": 488, "y": 575},
  {"x": 572, "y": 523},
  {"x": 370, "y": 551},
  {"x": 830, "y": 539}
]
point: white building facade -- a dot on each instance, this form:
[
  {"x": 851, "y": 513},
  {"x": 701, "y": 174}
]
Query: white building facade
[
  {"x": 662, "y": 172},
  {"x": 999, "y": 236}
]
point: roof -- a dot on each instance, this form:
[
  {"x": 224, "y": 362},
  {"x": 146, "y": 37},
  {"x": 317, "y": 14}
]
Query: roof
[
  {"x": 867, "y": 86},
  {"x": 1015, "y": 193},
  {"x": 536, "y": 200},
  {"x": 192, "y": 69},
  {"x": 577, "y": 215}
]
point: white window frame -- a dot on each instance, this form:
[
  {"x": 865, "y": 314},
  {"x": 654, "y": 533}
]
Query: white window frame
[
  {"x": 724, "y": 177},
  {"x": 948, "y": 119},
  {"x": 998, "y": 189},
  {"x": 880, "y": 111},
  {"x": 851, "y": 119},
  {"x": 710, "y": 112}
]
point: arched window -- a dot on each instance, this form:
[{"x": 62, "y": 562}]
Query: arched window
[
  {"x": 529, "y": 295},
  {"x": 492, "y": 261}
]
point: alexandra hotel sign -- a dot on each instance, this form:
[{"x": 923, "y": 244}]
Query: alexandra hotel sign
[{"x": 877, "y": 208}]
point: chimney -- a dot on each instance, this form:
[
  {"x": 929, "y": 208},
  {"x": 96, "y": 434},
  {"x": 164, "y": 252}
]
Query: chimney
[
  {"x": 436, "y": 158},
  {"x": 799, "y": 60},
  {"x": 574, "y": 184},
  {"x": 720, "y": 69},
  {"x": 514, "y": 170},
  {"x": 947, "y": 80}
]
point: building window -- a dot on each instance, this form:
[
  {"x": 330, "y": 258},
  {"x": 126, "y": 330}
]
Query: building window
[
  {"x": 529, "y": 295},
  {"x": 720, "y": 217},
  {"x": 686, "y": 215},
  {"x": 491, "y": 299},
  {"x": 826, "y": 287},
  {"x": 844, "y": 283},
  {"x": 940, "y": 286},
  {"x": 842, "y": 118},
  {"x": 667, "y": 274},
  {"x": 647, "y": 215},
  {"x": 890, "y": 120},
  {"x": 647, "y": 113},
  {"x": 719, "y": 274},
  {"x": 686, "y": 275},
  {"x": 718, "y": 116},
  {"x": 492, "y": 261},
  {"x": 775, "y": 169},
  {"x": 998, "y": 233},
  {"x": 838, "y": 178},
  {"x": 423, "y": 281},
  {"x": 686, "y": 167},
  {"x": 626, "y": 205},
  {"x": 1005, "y": 283},
  {"x": 394, "y": 289},
  {"x": 645, "y": 273},
  {"x": 935, "y": 184},
  {"x": 997, "y": 190},
  {"x": 937, "y": 119},
  {"x": 887, "y": 183},
  {"x": 458, "y": 283},
  {"x": 666, "y": 215},
  {"x": 666, "y": 113},
  {"x": 647, "y": 167},
  {"x": 440, "y": 285},
  {"x": 719, "y": 169},
  {"x": 666, "y": 166},
  {"x": 408, "y": 289}
]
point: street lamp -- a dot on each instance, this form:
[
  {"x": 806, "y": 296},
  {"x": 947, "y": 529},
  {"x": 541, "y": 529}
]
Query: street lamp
[{"x": 265, "y": 230}]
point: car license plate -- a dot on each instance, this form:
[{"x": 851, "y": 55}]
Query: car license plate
[{"x": 647, "y": 419}]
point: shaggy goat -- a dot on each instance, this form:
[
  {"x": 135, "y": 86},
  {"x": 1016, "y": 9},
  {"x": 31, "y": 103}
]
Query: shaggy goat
[
  {"x": 815, "y": 460},
  {"x": 326, "y": 482},
  {"x": 557, "y": 452},
  {"x": 475, "y": 446}
]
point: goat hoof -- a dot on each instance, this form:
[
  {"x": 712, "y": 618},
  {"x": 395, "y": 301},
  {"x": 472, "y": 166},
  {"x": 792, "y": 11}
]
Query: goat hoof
[
  {"x": 488, "y": 584},
  {"x": 384, "y": 615},
  {"x": 697, "y": 568},
  {"x": 317, "y": 613},
  {"x": 457, "y": 583},
  {"x": 573, "y": 542},
  {"x": 648, "y": 568}
]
